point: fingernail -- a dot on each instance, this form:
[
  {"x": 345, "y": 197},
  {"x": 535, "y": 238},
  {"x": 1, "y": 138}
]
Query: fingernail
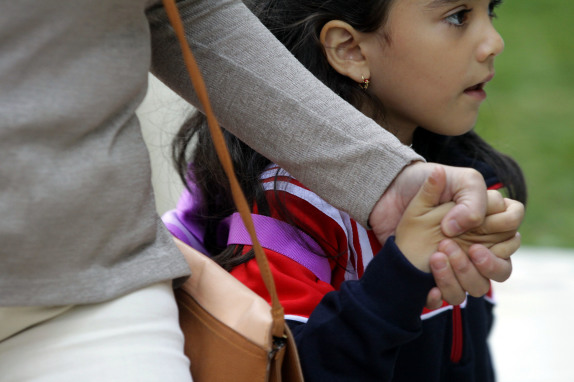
[{"x": 439, "y": 265}]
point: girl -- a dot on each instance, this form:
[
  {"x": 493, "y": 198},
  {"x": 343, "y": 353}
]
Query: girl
[{"x": 418, "y": 67}]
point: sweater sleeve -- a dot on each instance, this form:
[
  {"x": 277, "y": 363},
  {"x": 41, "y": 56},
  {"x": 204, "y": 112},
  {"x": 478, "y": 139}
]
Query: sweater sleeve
[
  {"x": 262, "y": 94},
  {"x": 356, "y": 332}
]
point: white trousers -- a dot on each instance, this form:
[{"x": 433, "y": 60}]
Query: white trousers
[{"x": 132, "y": 338}]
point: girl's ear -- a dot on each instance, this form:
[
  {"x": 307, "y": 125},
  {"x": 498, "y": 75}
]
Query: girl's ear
[{"x": 342, "y": 44}]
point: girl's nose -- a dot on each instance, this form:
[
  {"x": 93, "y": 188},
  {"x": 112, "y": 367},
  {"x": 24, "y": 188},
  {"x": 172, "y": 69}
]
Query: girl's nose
[{"x": 492, "y": 44}]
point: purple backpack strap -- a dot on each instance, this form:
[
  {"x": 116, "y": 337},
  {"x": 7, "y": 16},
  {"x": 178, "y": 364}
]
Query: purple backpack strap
[{"x": 282, "y": 238}]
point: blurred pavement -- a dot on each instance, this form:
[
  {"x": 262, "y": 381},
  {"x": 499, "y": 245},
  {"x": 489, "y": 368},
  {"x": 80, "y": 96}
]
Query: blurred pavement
[{"x": 534, "y": 328}]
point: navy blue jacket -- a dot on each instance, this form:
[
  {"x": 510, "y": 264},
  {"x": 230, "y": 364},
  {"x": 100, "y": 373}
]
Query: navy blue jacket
[{"x": 372, "y": 330}]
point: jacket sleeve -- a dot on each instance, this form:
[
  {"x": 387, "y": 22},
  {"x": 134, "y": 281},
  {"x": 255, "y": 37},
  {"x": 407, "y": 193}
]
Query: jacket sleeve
[
  {"x": 262, "y": 94},
  {"x": 356, "y": 333}
]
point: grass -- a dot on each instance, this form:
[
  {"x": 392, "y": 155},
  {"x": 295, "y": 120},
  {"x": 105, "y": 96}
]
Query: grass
[{"x": 530, "y": 111}]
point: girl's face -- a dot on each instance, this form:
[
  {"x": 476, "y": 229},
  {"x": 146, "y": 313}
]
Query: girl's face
[{"x": 432, "y": 68}]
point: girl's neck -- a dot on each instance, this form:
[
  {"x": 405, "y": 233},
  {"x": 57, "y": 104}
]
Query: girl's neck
[
  {"x": 406, "y": 137},
  {"x": 394, "y": 124},
  {"x": 402, "y": 131}
]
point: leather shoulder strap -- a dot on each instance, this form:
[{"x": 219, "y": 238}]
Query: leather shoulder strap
[{"x": 278, "y": 329}]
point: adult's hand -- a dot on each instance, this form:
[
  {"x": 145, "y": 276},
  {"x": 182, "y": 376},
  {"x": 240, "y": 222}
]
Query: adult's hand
[
  {"x": 454, "y": 272},
  {"x": 464, "y": 186}
]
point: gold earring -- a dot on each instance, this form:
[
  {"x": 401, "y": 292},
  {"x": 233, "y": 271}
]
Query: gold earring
[{"x": 365, "y": 84}]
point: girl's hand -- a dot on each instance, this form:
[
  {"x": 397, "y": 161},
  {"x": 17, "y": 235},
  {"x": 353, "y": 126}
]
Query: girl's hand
[
  {"x": 456, "y": 273},
  {"x": 419, "y": 233},
  {"x": 422, "y": 242},
  {"x": 499, "y": 227}
]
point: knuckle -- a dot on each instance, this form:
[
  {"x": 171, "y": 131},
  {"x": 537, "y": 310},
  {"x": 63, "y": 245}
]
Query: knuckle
[
  {"x": 514, "y": 219},
  {"x": 462, "y": 267},
  {"x": 460, "y": 262},
  {"x": 496, "y": 198},
  {"x": 475, "y": 218},
  {"x": 474, "y": 174}
]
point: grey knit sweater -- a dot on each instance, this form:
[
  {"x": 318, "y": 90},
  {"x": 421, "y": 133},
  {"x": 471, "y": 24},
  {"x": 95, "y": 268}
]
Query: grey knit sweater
[{"x": 77, "y": 217}]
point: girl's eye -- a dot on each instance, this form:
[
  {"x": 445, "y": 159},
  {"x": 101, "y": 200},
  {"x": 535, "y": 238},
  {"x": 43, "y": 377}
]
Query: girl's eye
[
  {"x": 459, "y": 18},
  {"x": 492, "y": 7}
]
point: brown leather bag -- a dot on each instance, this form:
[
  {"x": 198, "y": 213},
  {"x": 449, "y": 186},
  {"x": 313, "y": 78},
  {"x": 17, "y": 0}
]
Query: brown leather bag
[{"x": 231, "y": 333}]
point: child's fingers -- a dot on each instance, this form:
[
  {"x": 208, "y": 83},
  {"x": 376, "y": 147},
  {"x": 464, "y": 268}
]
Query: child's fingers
[
  {"x": 418, "y": 232},
  {"x": 495, "y": 202},
  {"x": 488, "y": 240},
  {"x": 470, "y": 279},
  {"x": 507, "y": 248},
  {"x": 515, "y": 211},
  {"x": 493, "y": 267},
  {"x": 507, "y": 221},
  {"x": 430, "y": 192},
  {"x": 434, "y": 299},
  {"x": 446, "y": 280}
]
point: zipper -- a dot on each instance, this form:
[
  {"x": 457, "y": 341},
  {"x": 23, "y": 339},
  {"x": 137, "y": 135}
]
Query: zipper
[{"x": 457, "y": 340}]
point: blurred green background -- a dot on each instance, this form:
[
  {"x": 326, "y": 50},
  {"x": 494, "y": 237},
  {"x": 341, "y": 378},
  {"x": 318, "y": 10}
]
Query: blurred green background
[{"x": 529, "y": 112}]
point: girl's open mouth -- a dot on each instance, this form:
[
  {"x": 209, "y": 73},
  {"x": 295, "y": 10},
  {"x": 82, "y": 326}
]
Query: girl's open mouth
[
  {"x": 476, "y": 87},
  {"x": 476, "y": 91}
]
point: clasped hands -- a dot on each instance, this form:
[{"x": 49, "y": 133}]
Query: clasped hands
[{"x": 446, "y": 222}]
